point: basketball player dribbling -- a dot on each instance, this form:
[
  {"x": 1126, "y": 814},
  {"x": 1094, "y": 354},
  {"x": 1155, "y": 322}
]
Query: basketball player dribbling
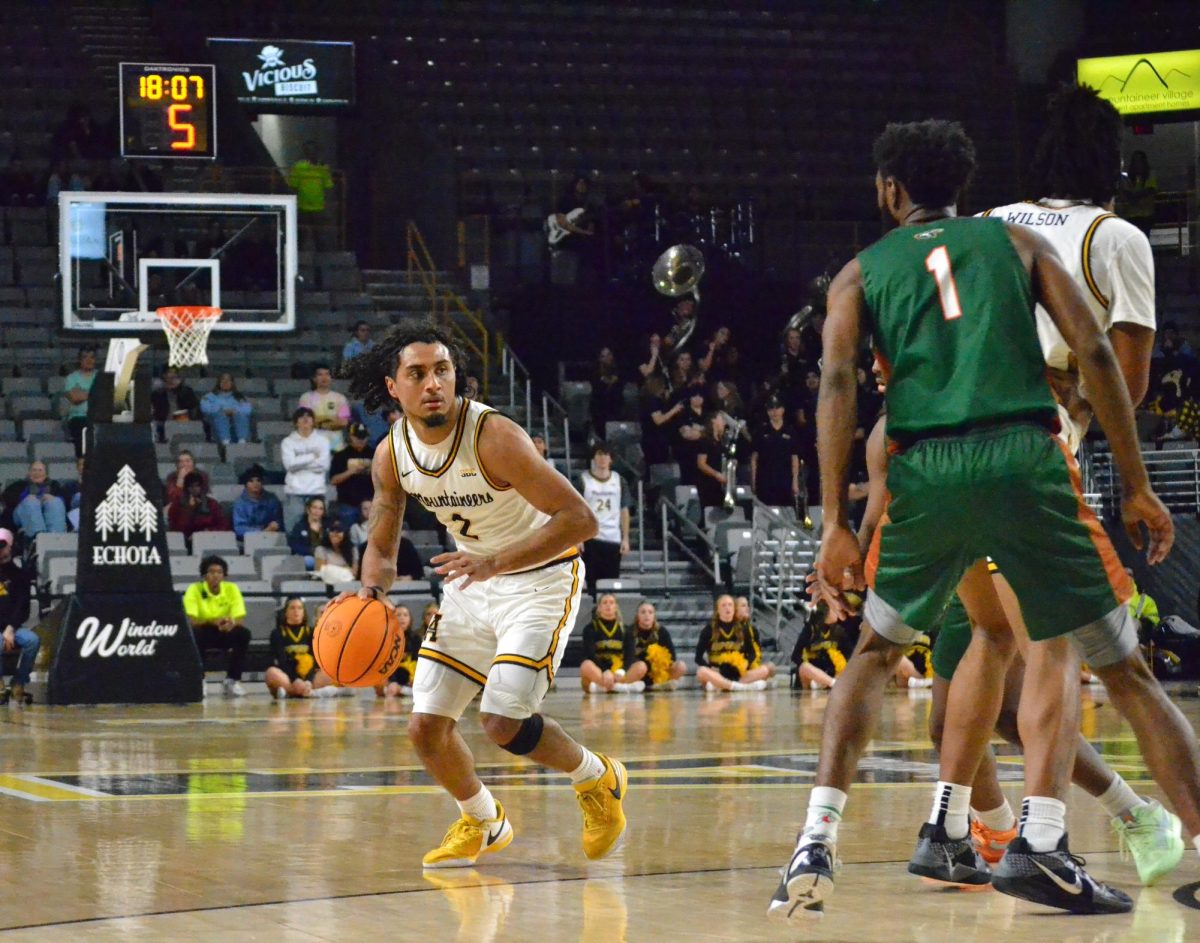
[
  {"x": 972, "y": 442},
  {"x": 512, "y": 587}
]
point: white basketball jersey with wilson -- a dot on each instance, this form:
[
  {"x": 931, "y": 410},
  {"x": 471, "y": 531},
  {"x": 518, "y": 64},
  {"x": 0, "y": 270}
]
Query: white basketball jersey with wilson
[{"x": 450, "y": 480}]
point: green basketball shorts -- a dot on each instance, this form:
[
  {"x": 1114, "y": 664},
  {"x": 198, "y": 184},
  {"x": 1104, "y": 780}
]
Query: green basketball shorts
[{"x": 1008, "y": 492}]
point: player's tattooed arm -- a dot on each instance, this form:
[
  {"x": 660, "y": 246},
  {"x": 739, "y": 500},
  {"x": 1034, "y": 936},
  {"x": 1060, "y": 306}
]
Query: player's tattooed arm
[{"x": 383, "y": 526}]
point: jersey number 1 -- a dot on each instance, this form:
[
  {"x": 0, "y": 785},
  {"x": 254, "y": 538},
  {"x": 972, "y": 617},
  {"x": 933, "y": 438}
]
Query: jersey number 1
[{"x": 938, "y": 263}]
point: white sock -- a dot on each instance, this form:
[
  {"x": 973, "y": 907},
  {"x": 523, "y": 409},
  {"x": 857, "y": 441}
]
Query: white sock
[
  {"x": 594, "y": 688},
  {"x": 951, "y": 807},
  {"x": 999, "y": 819},
  {"x": 739, "y": 686},
  {"x": 1118, "y": 799},
  {"x": 591, "y": 768},
  {"x": 1043, "y": 822},
  {"x": 480, "y": 806},
  {"x": 825, "y": 805},
  {"x": 1196, "y": 842}
]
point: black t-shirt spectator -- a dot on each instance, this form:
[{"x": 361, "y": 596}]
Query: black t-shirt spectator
[
  {"x": 656, "y": 439},
  {"x": 408, "y": 561},
  {"x": 608, "y": 399},
  {"x": 712, "y": 492},
  {"x": 775, "y": 449},
  {"x": 357, "y": 488},
  {"x": 14, "y": 595}
]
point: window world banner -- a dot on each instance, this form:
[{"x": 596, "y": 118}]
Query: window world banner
[
  {"x": 1146, "y": 83},
  {"x": 286, "y": 73},
  {"x": 123, "y": 637}
]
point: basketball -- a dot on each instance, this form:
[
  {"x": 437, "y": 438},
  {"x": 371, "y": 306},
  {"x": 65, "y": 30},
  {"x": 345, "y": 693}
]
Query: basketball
[{"x": 358, "y": 642}]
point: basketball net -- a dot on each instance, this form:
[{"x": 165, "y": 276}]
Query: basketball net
[{"x": 187, "y": 329}]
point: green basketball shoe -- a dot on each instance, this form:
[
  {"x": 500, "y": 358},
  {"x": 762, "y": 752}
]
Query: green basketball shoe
[{"x": 1154, "y": 839}]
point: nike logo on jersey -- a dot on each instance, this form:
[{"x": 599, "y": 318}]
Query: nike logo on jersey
[
  {"x": 1074, "y": 886},
  {"x": 406, "y": 474}
]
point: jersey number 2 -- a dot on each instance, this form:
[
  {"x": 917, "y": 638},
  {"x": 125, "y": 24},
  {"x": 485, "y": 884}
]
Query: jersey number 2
[
  {"x": 466, "y": 527},
  {"x": 938, "y": 263}
]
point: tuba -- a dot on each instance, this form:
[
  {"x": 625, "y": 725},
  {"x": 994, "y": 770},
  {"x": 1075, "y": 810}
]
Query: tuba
[{"x": 677, "y": 272}]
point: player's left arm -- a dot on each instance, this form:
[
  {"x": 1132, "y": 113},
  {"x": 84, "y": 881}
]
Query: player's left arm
[{"x": 507, "y": 452}]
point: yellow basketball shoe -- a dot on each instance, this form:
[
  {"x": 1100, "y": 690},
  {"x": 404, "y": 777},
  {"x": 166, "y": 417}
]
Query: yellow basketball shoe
[
  {"x": 603, "y": 817},
  {"x": 469, "y": 839}
]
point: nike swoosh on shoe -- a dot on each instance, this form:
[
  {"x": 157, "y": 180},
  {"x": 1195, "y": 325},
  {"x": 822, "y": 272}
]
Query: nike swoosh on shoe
[
  {"x": 492, "y": 839},
  {"x": 1071, "y": 887}
]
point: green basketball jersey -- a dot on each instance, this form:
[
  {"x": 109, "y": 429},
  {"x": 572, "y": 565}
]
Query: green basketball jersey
[{"x": 952, "y": 312}]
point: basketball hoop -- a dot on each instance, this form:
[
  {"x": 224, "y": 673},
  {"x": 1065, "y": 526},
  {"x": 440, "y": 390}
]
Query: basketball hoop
[{"x": 187, "y": 329}]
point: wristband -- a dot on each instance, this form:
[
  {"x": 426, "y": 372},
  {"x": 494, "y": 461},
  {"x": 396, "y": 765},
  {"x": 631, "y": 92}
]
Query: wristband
[{"x": 378, "y": 591}]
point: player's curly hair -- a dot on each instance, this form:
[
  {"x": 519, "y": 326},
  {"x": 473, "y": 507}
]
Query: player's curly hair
[
  {"x": 933, "y": 159},
  {"x": 368, "y": 370},
  {"x": 1079, "y": 153}
]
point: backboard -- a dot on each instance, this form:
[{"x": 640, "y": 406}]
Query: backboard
[{"x": 123, "y": 255}]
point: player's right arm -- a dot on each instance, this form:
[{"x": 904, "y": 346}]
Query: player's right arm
[
  {"x": 383, "y": 526},
  {"x": 837, "y": 412},
  {"x": 1058, "y": 293}
]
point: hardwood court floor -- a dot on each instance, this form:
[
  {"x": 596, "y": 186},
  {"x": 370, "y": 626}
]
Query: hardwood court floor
[{"x": 306, "y": 821}]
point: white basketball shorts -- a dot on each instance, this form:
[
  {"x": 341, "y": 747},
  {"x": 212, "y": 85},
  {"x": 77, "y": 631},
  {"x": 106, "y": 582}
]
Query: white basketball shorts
[{"x": 506, "y": 635}]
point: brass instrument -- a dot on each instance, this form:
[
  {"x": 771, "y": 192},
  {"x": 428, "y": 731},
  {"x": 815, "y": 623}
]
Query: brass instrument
[{"x": 677, "y": 272}]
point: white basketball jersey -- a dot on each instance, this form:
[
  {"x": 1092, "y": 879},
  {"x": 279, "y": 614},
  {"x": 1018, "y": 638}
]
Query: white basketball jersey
[
  {"x": 1109, "y": 259},
  {"x": 604, "y": 498},
  {"x": 449, "y": 480}
]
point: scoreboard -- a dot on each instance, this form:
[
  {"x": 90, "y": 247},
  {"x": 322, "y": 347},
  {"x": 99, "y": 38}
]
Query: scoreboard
[{"x": 168, "y": 110}]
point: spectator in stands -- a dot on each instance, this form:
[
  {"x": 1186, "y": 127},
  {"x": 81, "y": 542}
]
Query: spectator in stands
[
  {"x": 172, "y": 399},
  {"x": 654, "y": 360},
  {"x": 37, "y": 503},
  {"x": 570, "y": 236},
  {"x": 608, "y": 496},
  {"x": 400, "y": 682},
  {"x": 793, "y": 361},
  {"x": 728, "y": 401},
  {"x": 710, "y": 462},
  {"x": 73, "y": 496},
  {"x": 716, "y": 345},
  {"x": 655, "y": 659},
  {"x": 195, "y": 510},
  {"x": 681, "y": 373},
  {"x": 471, "y": 388},
  {"x": 803, "y": 408},
  {"x": 76, "y": 388},
  {"x": 378, "y": 424},
  {"x": 308, "y": 533},
  {"x": 608, "y": 647},
  {"x": 775, "y": 459},
  {"x": 657, "y": 418},
  {"x": 77, "y": 138},
  {"x": 358, "y": 530},
  {"x": 15, "y": 587},
  {"x": 256, "y": 509},
  {"x": 539, "y": 443},
  {"x": 330, "y": 409},
  {"x": 1138, "y": 191},
  {"x": 310, "y": 178},
  {"x": 350, "y": 473},
  {"x": 17, "y": 185},
  {"x": 408, "y": 561},
  {"x": 62, "y": 177},
  {"x": 607, "y": 400},
  {"x": 359, "y": 343},
  {"x": 216, "y": 610},
  {"x": 295, "y": 672},
  {"x": 727, "y": 657},
  {"x": 428, "y": 615},
  {"x": 335, "y": 560},
  {"x": 306, "y": 459},
  {"x": 227, "y": 411},
  {"x": 174, "y": 485}
]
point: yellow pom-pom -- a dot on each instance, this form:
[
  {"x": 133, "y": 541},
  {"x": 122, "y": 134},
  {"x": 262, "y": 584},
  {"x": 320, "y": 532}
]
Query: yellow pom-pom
[
  {"x": 658, "y": 661},
  {"x": 737, "y": 659},
  {"x": 838, "y": 659},
  {"x": 618, "y": 664}
]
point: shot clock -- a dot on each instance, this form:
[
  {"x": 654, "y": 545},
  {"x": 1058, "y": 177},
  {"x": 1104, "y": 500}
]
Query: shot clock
[{"x": 168, "y": 111}]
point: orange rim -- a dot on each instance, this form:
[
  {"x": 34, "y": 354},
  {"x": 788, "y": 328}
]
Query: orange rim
[{"x": 182, "y": 317}]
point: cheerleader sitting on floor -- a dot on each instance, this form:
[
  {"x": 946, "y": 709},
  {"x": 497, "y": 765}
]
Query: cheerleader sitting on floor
[
  {"x": 607, "y": 648},
  {"x": 654, "y": 652},
  {"x": 727, "y": 656}
]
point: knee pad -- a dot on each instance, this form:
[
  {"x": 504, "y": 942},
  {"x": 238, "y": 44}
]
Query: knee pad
[
  {"x": 513, "y": 691},
  {"x": 1108, "y": 640},
  {"x": 527, "y": 737}
]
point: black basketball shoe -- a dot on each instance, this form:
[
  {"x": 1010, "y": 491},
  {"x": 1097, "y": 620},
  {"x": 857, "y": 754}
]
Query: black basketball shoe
[
  {"x": 946, "y": 859},
  {"x": 807, "y": 882},
  {"x": 1056, "y": 879}
]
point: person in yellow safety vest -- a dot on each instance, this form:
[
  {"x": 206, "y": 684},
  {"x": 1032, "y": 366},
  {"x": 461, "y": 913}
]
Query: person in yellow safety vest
[{"x": 1142, "y": 606}]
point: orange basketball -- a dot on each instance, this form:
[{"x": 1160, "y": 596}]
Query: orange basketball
[{"x": 358, "y": 642}]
